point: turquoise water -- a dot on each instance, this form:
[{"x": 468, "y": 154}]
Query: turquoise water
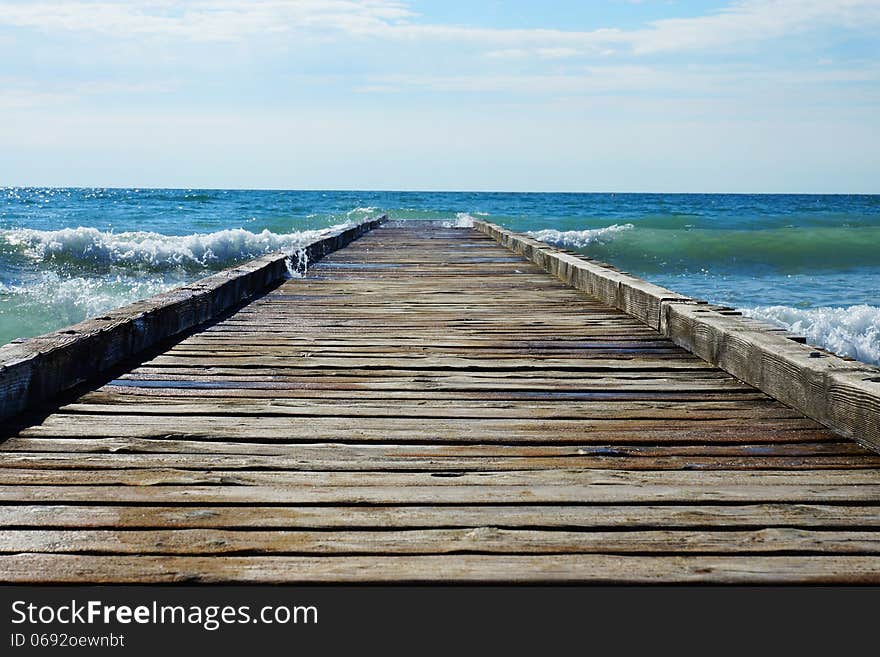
[{"x": 811, "y": 263}]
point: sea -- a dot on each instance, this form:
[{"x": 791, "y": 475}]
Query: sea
[{"x": 810, "y": 263}]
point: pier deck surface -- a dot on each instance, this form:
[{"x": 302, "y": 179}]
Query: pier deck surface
[{"x": 427, "y": 406}]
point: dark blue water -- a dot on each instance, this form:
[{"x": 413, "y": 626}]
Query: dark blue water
[{"x": 808, "y": 262}]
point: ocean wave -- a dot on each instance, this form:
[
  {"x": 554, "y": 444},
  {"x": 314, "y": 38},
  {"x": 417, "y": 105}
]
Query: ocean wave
[
  {"x": 462, "y": 220},
  {"x": 578, "y": 239},
  {"x": 361, "y": 211},
  {"x": 852, "y": 331},
  {"x": 84, "y": 296},
  {"x": 52, "y": 300},
  {"x": 93, "y": 249},
  {"x": 788, "y": 250}
]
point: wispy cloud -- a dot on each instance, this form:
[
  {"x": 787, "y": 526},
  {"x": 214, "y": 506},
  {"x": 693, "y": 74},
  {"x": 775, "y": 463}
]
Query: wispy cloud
[
  {"x": 204, "y": 20},
  {"x": 706, "y": 81},
  {"x": 750, "y": 21},
  {"x": 540, "y": 53},
  {"x": 741, "y": 23}
]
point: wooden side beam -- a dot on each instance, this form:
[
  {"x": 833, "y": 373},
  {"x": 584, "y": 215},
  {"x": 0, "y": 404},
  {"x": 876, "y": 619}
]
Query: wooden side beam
[
  {"x": 843, "y": 395},
  {"x": 36, "y": 369}
]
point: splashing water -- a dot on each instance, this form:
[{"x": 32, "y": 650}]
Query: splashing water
[
  {"x": 93, "y": 250},
  {"x": 852, "y": 331},
  {"x": 578, "y": 238}
]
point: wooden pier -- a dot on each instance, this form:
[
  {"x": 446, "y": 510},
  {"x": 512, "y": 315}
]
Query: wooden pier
[{"x": 426, "y": 405}]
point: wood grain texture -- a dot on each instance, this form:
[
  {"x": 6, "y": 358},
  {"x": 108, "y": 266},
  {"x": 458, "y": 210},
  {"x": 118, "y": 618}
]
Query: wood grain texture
[
  {"x": 588, "y": 569},
  {"x": 424, "y": 406}
]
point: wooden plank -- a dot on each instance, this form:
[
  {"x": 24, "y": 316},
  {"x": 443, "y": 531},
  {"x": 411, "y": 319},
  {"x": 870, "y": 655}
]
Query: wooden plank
[
  {"x": 156, "y": 389},
  {"x": 324, "y": 459},
  {"x": 681, "y": 516},
  {"x": 384, "y": 430},
  {"x": 869, "y": 479},
  {"x": 189, "y": 492},
  {"x": 595, "y": 569},
  {"x": 478, "y": 540},
  {"x": 604, "y": 377},
  {"x": 428, "y": 362},
  {"x": 637, "y": 410},
  {"x": 345, "y": 452}
]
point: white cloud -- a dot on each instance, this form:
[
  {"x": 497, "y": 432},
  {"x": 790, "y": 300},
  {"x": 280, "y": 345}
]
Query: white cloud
[
  {"x": 556, "y": 53},
  {"x": 750, "y": 21},
  {"x": 609, "y": 80},
  {"x": 541, "y": 53},
  {"x": 204, "y": 20},
  {"x": 740, "y": 23}
]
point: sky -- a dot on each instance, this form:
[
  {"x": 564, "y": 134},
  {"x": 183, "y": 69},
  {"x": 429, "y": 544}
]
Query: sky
[{"x": 608, "y": 95}]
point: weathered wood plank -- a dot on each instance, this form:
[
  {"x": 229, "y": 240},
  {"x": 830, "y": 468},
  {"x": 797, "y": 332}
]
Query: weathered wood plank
[
  {"x": 353, "y": 452},
  {"x": 323, "y": 459},
  {"x": 866, "y": 478},
  {"x": 477, "y": 540},
  {"x": 95, "y": 516},
  {"x": 57, "y": 568},
  {"x": 217, "y": 493},
  {"x": 445, "y": 431},
  {"x": 638, "y": 410}
]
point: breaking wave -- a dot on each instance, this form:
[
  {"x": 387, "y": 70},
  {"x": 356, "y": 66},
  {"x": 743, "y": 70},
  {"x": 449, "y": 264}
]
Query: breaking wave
[
  {"x": 70, "y": 299},
  {"x": 89, "y": 249},
  {"x": 578, "y": 239},
  {"x": 784, "y": 250},
  {"x": 853, "y": 331}
]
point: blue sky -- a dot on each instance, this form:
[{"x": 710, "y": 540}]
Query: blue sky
[{"x": 610, "y": 95}]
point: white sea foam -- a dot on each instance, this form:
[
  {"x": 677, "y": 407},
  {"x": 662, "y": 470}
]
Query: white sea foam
[
  {"x": 74, "y": 298},
  {"x": 462, "y": 220},
  {"x": 578, "y": 238},
  {"x": 356, "y": 212},
  {"x": 90, "y": 246},
  {"x": 852, "y": 331}
]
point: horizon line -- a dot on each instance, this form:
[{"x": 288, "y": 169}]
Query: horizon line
[{"x": 436, "y": 191}]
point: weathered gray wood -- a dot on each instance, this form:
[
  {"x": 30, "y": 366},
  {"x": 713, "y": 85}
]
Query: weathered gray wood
[
  {"x": 480, "y": 540},
  {"x": 412, "y": 458},
  {"x": 596, "y": 569},
  {"x": 68, "y": 448},
  {"x": 453, "y": 430},
  {"x": 681, "y": 516},
  {"x": 426, "y": 406},
  {"x": 438, "y": 409},
  {"x": 866, "y": 478},
  {"x": 189, "y": 492}
]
